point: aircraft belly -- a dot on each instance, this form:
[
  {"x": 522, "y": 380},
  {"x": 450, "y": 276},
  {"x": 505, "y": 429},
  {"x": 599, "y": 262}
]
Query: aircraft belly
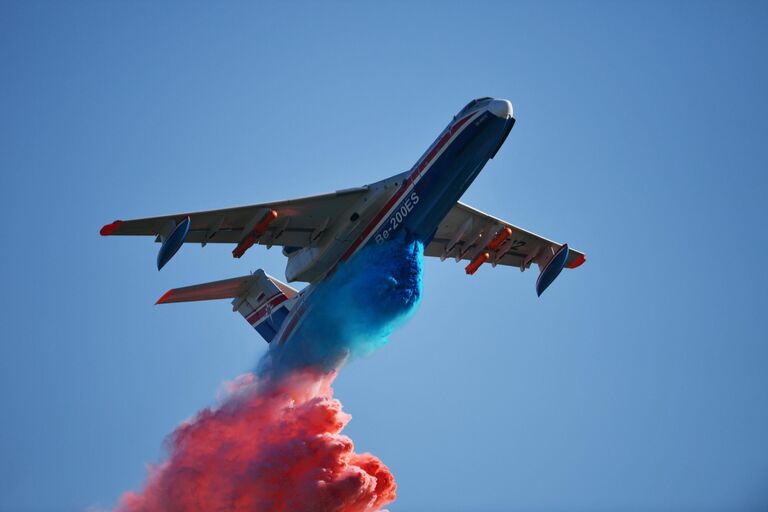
[
  {"x": 311, "y": 264},
  {"x": 447, "y": 180}
]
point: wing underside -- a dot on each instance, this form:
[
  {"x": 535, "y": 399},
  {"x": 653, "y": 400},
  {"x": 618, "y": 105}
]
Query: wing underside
[
  {"x": 469, "y": 234},
  {"x": 295, "y": 223}
]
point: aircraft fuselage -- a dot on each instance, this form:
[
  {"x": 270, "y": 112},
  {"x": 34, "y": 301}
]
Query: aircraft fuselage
[{"x": 415, "y": 201}]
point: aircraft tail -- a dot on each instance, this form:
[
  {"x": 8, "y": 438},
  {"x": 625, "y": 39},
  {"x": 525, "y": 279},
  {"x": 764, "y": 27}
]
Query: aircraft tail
[{"x": 263, "y": 300}]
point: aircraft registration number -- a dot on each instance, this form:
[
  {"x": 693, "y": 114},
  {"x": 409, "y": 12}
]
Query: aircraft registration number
[{"x": 397, "y": 218}]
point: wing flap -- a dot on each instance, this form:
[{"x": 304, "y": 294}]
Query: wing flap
[
  {"x": 226, "y": 225},
  {"x": 468, "y": 234},
  {"x": 476, "y": 230}
]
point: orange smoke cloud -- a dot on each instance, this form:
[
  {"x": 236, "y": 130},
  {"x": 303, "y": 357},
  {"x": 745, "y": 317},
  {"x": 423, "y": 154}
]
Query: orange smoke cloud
[{"x": 268, "y": 446}]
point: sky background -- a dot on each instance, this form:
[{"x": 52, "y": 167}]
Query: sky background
[{"x": 636, "y": 383}]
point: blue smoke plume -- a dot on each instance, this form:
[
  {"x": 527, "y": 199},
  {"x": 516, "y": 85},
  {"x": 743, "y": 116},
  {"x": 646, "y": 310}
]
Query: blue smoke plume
[{"x": 354, "y": 311}]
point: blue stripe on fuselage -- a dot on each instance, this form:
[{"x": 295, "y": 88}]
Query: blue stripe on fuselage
[{"x": 421, "y": 210}]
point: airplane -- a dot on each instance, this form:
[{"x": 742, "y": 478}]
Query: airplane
[{"x": 319, "y": 233}]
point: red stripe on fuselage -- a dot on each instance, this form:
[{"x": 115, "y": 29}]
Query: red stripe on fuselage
[
  {"x": 257, "y": 314},
  {"x": 419, "y": 168}
]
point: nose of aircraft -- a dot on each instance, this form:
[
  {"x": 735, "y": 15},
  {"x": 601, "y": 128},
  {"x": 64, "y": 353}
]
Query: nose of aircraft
[{"x": 501, "y": 108}]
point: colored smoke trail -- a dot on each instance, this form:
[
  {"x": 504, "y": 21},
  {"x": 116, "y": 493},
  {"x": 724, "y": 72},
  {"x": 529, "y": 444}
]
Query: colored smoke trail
[
  {"x": 355, "y": 309},
  {"x": 274, "y": 443},
  {"x": 268, "y": 446}
]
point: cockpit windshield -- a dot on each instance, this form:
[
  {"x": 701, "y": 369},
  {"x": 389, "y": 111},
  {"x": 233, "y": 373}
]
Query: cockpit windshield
[{"x": 479, "y": 102}]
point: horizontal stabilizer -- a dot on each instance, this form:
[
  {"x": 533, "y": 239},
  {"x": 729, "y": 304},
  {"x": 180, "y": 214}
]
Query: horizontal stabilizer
[
  {"x": 225, "y": 289},
  {"x": 261, "y": 299}
]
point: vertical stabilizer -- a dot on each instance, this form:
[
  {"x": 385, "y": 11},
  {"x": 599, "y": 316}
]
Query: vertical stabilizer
[{"x": 266, "y": 304}]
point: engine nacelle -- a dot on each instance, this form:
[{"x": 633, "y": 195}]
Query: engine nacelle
[{"x": 303, "y": 264}]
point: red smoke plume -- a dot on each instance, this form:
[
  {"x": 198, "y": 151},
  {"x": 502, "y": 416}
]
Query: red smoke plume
[{"x": 267, "y": 447}]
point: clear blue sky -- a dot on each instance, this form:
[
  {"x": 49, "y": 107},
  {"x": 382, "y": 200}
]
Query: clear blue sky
[{"x": 636, "y": 383}]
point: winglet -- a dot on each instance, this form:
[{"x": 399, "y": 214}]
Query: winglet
[
  {"x": 164, "y": 298},
  {"x": 108, "y": 229}
]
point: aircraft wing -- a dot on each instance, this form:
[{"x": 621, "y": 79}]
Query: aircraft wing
[
  {"x": 294, "y": 222},
  {"x": 469, "y": 234}
]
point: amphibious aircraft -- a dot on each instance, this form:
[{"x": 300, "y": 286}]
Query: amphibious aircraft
[{"x": 319, "y": 233}]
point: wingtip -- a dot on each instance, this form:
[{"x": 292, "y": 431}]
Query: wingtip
[
  {"x": 579, "y": 261},
  {"x": 108, "y": 229},
  {"x": 164, "y": 298}
]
